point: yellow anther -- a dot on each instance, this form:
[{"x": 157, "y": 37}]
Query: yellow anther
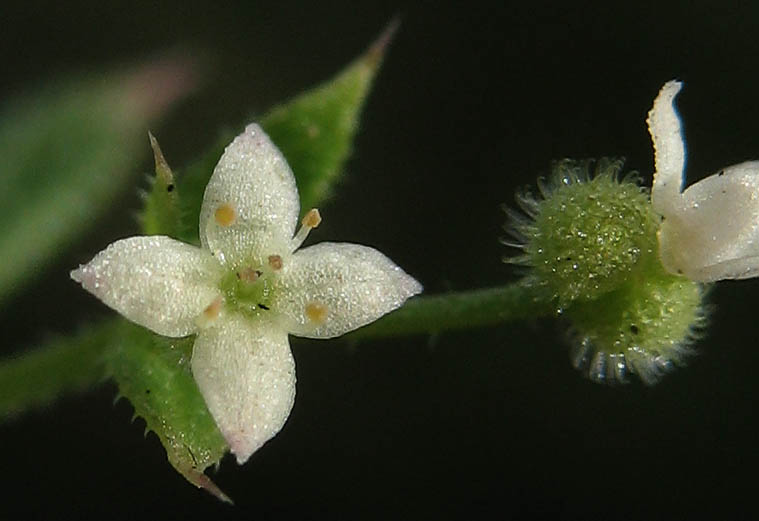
[
  {"x": 248, "y": 275},
  {"x": 211, "y": 313},
  {"x": 225, "y": 215},
  {"x": 213, "y": 309},
  {"x": 316, "y": 312},
  {"x": 275, "y": 262},
  {"x": 312, "y": 219}
]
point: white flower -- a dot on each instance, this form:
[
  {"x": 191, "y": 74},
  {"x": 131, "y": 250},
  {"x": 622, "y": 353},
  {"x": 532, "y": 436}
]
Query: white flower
[
  {"x": 710, "y": 231},
  {"x": 246, "y": 288}
]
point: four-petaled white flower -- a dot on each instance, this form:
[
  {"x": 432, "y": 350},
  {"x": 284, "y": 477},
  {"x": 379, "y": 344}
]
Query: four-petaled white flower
[
  {"x": 246, "y": 288},
  {"x": 710, "y": 231}
]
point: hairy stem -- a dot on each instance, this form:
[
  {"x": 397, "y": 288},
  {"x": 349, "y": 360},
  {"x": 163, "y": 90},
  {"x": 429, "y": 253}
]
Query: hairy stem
[{"x": 37, "y": 378}]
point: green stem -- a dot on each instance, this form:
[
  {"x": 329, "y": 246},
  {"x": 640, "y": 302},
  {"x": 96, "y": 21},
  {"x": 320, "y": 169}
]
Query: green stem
[
  {"x": 38, "y": 377},
  {"x": 75, "y": 364},
  {"x": 458, "y": 310}
]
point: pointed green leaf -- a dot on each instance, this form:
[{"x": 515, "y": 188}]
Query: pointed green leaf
[
  {"x": 153, "y": 373},
  {"x": 315, "y": 131},
  {"x": 66, "y": 152},
  {"x": 36, "y": 378}
]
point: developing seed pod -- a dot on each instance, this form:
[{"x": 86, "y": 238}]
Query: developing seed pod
[
  {"x": 647, "y": 326},
  {"x": 590, "y": 240},
  {"x": 586, "y": 232}
]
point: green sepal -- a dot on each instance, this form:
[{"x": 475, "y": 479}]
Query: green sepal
[
  {"x": 161, "y": 213},
  {"x": 153, "y": 373}
]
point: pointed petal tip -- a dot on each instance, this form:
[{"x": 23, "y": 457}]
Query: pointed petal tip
[
  {"x": 253, "y": 128},
  {"x": 77, "y": 275},
  {"x": 668, "y": 92},
  {"x": 413, "y": 286},
  {"x": 673, "y": 85},
  {"x": 241, "y": 446},
  {"x": 666, "y": 95}
]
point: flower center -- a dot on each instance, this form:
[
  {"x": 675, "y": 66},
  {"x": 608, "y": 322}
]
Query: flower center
[{"x": 249, "y": 290}]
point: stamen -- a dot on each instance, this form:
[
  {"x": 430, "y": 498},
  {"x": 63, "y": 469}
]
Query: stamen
[
  {"x": 311, "y": 220},
  {"x": 225, "y": 215},
  {"x": 248, "y": 275},
  {"x": 316, "y": 312},
  {"x": 275, "y": 262},
  {"x": 210, "y": 314}
]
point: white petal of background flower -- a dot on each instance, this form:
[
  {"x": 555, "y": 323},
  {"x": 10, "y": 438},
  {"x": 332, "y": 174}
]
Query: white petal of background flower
[
  {"x": 352, "y": 284},
  {"x": 246, "y": 373},
  {"x": 156, "y": 281},
  {"x": 669, "y": 148},
  {"x": 713, "y": 233},
  {"x": 256, "y": 187},
  {"x": 711, "y": 230}
]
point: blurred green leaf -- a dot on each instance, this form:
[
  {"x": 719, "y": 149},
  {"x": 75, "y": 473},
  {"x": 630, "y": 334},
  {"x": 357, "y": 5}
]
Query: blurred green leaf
[
  {"x": 66, "y": 152},
  {"x": 314, "y": 131},
  {"x": 153, "y": 373},
  {"x": 36, "y": 378}
]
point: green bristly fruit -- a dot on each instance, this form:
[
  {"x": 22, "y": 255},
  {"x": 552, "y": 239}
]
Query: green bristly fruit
[{"x": 587, "y": 233}]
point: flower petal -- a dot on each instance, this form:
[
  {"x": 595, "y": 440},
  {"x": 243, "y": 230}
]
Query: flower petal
[
  {"x": 713, "y": 231},
  {"x": 669, "y": 149},
  {"x": 246, "y": 373},
  {"x": 332, "y": 288},
  {"x": 250, "y": 206},
  {"x": 155, "y": 281}
]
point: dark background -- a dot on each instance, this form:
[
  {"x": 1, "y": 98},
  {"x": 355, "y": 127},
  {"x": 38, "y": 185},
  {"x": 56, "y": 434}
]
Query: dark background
[{"x": 472, "y": 103}]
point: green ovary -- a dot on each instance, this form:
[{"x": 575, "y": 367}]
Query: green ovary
[{"x": 248, "y": 291}]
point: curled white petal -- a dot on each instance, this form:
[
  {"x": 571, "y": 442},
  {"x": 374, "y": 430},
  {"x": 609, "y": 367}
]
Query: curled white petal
[
  {"x": 246, "y": 374},
  {"x": 669, "y": 148},
  {"x": 329, "y": 289},
  {"x": 712, "y": 233},
  {"x": 250, "y": 206},
  {"x": 157, "y": 282}
]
